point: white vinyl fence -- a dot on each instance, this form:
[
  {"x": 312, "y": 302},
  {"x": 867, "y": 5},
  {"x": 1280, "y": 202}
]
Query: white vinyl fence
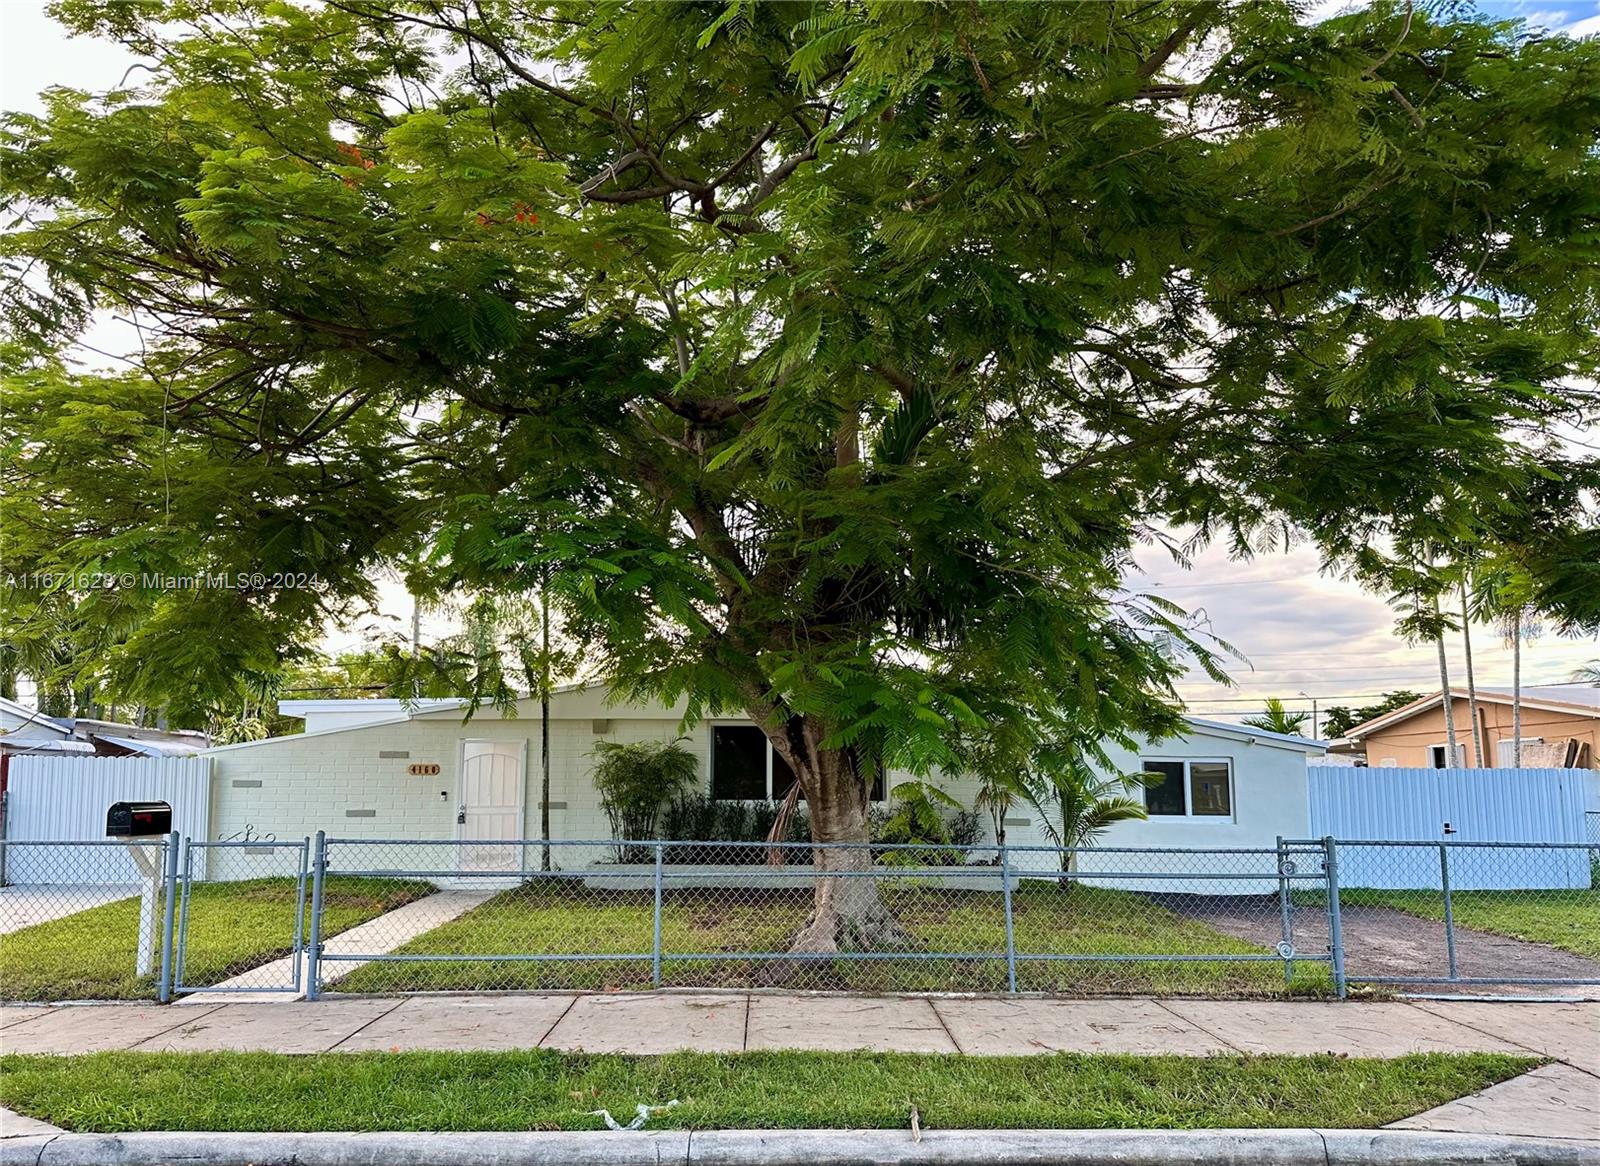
[
  {"x": 66, "y": 798},
  {"x": 1454, "y": 805}
]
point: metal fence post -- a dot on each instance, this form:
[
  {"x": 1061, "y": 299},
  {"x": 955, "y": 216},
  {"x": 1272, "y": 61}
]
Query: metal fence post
[
  {"x": 1011, "y": 934},
  {"x": 655, "y": 940},
  {"x": 1330, "y": 864},
  {"x": 1285, "y": 913},
  {"x": 1449, "y": 914},
  {"x": 319, "y": 864},
  {"x": 169, "y": 913}
]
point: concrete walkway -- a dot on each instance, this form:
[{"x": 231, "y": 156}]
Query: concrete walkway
[{"x": 374, "y": 937}]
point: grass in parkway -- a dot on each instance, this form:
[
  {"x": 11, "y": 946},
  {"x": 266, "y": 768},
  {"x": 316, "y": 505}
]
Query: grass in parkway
[
  {"x": 233, "y": 926},
  {"x": 546, "y": 1090},
  {"x": 716, "y": 925}
]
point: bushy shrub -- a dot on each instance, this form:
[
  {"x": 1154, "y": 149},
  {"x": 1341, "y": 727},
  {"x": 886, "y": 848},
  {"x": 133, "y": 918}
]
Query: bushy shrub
[
  {"x": 923, "y": 815},
  {"x": 696, "y": 818},
  {"x": 634, "y": 781}
]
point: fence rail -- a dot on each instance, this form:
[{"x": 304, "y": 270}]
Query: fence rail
[{"x": 1305, "y": 916}]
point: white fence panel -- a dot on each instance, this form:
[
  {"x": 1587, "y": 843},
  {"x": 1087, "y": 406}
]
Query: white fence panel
[
  {"x": 1453, "y": 805},
  {"x": 66, "y": 798}
]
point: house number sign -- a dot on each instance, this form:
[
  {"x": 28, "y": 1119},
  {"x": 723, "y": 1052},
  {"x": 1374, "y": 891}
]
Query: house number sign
[{"x": 423, "y": 769}]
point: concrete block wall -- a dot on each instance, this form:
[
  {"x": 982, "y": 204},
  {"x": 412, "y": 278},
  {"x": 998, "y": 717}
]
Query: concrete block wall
[{"x": 354, "y": 782}]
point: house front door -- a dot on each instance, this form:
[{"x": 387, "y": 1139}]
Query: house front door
[{"x": 493, "y": 777}]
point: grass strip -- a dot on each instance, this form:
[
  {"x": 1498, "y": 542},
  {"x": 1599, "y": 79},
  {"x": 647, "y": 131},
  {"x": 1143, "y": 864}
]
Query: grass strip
[
  {"x": 547, "y": 1090},
  {"x": 571, "y": 918}
]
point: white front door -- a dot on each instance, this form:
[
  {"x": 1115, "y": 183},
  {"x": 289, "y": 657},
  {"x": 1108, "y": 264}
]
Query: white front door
[{"x": 492, "y": 781}]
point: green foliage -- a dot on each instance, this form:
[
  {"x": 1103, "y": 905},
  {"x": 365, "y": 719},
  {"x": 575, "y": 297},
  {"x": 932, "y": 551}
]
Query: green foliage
[
  {"x": 923, "y": 815},
  {"x": 1278, "y": 719},
  {"x": 828, "y": 362},
  {"x": 697, "y": 818},
  {"x": 634, "y": 780},
  {"x": 1340, "y": 719},
  {"x": 1077, "y": 803}
]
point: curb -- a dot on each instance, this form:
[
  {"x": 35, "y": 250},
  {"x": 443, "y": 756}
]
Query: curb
[{"x": 1291, "y": 1147}]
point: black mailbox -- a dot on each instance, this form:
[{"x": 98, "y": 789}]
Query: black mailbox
[{"x": 138, "y": 819}]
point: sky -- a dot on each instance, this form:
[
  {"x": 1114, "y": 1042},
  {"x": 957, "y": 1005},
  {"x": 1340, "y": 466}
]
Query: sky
[{"x": 1299, "y": 631}]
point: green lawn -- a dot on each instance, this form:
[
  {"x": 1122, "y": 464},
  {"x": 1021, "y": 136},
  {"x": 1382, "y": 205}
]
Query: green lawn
[
  {"x": 562, "y": 918},
  {"x": 1564, "y": 919},
  {"x": 545, "y": 1090},
  {"x": 233, "y": 926}
]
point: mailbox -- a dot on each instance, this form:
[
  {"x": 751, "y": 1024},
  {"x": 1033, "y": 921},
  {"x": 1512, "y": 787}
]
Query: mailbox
[{"x": 138, "y": 819}]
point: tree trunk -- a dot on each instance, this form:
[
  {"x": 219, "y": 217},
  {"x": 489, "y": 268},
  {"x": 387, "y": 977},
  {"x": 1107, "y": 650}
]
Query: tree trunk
[
  {"x": 1516, "y": 689},
  {"x": 1472, "y": 682},
  {"x": 1448, "y": 700},
  {"x": 544, "y": 728},
  {"x": 847, "y": 912}
]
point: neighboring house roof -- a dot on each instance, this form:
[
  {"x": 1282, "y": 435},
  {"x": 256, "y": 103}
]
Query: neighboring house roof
[
  {"x": 25, "y": 746},
  {"x": 144, "y": 748},
  {"x": 1579, "y": 701},
  {"x": 19, "y": 719}
]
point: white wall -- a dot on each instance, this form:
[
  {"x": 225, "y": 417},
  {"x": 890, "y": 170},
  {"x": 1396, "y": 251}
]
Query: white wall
[
  {"x": 60, "y": 798},
  {"x": 341, "y": 781}
]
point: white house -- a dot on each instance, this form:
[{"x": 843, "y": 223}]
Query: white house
[{"x": 378, "y": 769}]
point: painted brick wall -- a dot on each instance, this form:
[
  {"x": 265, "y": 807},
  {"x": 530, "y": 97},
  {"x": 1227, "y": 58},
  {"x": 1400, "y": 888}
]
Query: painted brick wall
[{"x": 341, "y": 782}]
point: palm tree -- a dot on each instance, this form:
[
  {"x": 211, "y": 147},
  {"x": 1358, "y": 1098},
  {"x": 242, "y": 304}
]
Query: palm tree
[
  {"x": 1588, "y": 674},
  {"x": 1472, "y": 683},
  {"x": 1446, "y": 697},
  {"x": 996, "y": 796},
  {"x": 1278, "y": 719},
  {"x": 1087, "y": 803}
]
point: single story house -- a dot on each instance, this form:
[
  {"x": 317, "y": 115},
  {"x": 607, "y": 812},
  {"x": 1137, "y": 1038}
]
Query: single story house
[
  {"x": 386, "y": 769},
  {"x": 1560, "y": 730}
]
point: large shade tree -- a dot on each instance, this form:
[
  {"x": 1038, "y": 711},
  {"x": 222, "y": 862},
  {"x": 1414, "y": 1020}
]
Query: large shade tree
[{"x": 827, "y": 361}]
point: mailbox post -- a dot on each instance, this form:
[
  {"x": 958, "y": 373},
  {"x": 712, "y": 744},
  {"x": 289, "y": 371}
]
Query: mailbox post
[{"x": 137, "y": 824}]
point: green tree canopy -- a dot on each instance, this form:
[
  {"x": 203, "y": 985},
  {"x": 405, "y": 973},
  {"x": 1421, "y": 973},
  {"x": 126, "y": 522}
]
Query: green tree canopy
[
  {"x": 1341, "y": 718},
  {"x": 830, "y": 360}
]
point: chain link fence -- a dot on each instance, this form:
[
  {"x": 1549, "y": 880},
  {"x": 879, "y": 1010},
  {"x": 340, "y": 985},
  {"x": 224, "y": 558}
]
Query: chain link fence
[
  {"x": 1475, "y": 915},
  {"x": 140, "y": 920},
  {"x": 87, "y": 920},
  {"x": 608, "y": 916}
]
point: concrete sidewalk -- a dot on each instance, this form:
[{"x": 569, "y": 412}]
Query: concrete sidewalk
[
  {"x": 667, "y": 1021},
  {"x": 1561, "y": 1100}
]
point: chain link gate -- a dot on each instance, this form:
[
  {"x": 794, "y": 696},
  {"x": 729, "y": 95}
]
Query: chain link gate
[
  {"x": 271, "y": 878},
  {"x": 1463, "y": 917}
]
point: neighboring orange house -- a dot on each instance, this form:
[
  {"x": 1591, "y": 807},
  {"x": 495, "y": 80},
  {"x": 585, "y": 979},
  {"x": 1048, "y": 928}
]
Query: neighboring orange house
[{"x": 1560, "y": 729}]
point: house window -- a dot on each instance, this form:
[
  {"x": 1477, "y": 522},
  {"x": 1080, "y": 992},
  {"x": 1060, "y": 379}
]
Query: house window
[
  {"x": 739, "y": 763},
  {"x": 746, "y": 768},
  {"x": 1438, "y": 756},
  {"x": 1189, "y": 789}
]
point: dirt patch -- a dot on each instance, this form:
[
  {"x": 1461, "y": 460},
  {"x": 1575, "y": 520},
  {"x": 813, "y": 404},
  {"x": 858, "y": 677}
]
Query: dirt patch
[{"x": 1381, "y": 941}]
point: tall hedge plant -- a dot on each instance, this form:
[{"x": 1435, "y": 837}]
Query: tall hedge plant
[{"x": 635, "y": 780}]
